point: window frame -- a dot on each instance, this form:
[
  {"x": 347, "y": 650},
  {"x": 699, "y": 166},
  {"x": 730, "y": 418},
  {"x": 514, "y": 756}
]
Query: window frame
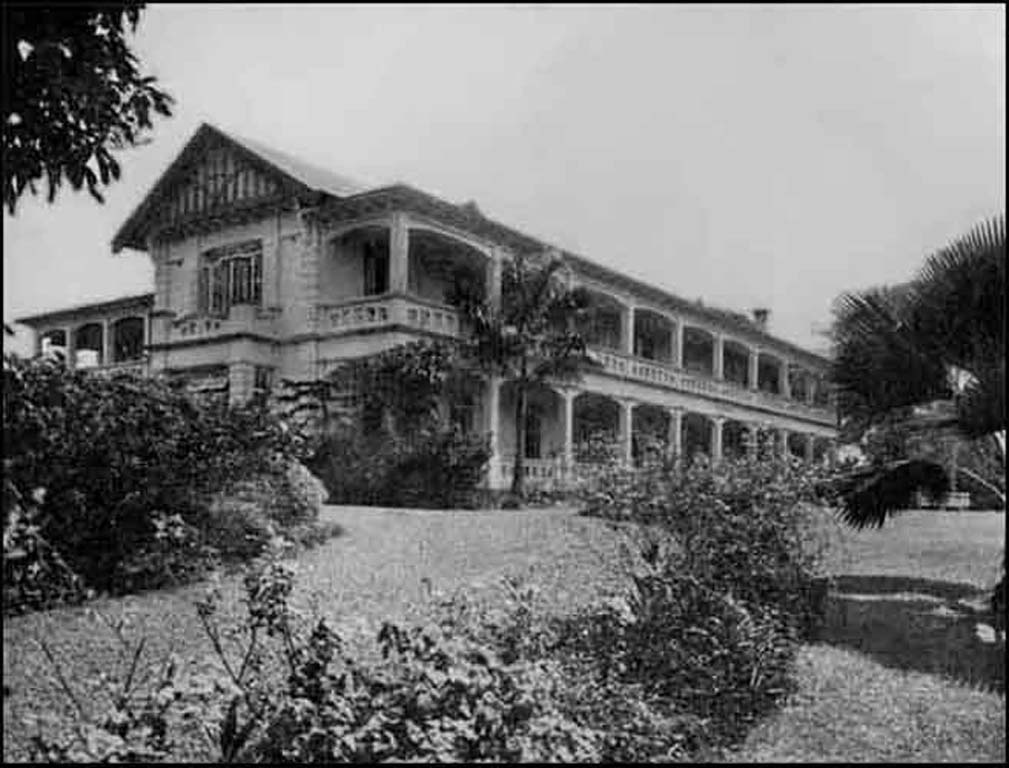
[{"x": 228, "y": 276}]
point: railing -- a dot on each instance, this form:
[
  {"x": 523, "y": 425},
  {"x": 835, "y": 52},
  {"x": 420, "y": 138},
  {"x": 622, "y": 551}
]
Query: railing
[
  {"x": 410, "y": 311},
  {"x": 537, "y": 472},
  {"x": 683, "y": 381},
  {"x": 547, "y": 474},
  {"x": 137, "y": 367},
  {"x": 416, "y": 313},
  {"x": 242, "y": 319}
]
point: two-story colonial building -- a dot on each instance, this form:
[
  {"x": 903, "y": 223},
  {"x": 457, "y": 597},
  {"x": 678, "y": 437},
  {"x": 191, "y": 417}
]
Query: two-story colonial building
[{"x": 268, "y": 268}]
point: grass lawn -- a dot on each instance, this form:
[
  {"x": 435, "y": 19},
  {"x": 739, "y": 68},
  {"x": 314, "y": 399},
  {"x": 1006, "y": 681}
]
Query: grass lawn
[
  {"x": 900, "y": 672},
  {"x": 896, "y": 675},
  {"x": 385, "y": 566}
]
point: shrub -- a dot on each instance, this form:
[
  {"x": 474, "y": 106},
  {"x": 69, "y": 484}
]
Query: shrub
[
  {"x": 437, "y": 467},
  {"x": 35, "y": 575},
  {"x": 434, "y": 695},
  {"x": 729, "y": 558},
  {"x": 744, "y": 526},
  {"x": 129, "y": 467}
]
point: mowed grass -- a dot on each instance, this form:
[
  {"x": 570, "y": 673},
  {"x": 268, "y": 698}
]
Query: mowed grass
[
  {"x": 898, "y": 673},
  {"x": 388, "y": 565},
  {"x": 902, "y": 672}
]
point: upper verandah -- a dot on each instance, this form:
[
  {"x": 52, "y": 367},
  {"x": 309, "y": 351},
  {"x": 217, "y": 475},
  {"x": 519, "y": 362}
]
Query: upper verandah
[{"x": 251, "y": 178}]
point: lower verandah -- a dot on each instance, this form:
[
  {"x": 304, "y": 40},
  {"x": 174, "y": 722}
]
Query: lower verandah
[{"x": 569, "y": 426}]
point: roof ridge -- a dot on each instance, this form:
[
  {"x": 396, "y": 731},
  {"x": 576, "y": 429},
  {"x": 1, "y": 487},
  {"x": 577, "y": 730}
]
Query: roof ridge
[{"x": 307, "y": 172}]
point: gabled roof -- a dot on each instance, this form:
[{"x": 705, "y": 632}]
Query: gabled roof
[
  {"x": 344, "y": 197},
  {"x": 296, "y": 176},
  {"x": 313, "y": 177}
]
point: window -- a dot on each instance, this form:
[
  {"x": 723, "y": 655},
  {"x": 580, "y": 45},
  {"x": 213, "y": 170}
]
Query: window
[
  {"x": 376, "y": 269},
  {"x": 230, "y": 275}
]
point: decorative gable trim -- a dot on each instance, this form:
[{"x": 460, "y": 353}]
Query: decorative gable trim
[{"x": 213, "y": 179}]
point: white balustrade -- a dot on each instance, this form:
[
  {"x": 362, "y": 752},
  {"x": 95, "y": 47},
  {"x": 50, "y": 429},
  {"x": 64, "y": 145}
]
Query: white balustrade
[
  {"x": 257, "y": 320},
  {"x": 391, "y": 310},
  {"x": 136, "y": 367},
  {"x": 656, "y": 373}
]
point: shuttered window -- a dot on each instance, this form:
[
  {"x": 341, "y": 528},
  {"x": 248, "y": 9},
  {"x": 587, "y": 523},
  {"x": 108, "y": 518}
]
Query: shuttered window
[{"x": 231, "y": 275}]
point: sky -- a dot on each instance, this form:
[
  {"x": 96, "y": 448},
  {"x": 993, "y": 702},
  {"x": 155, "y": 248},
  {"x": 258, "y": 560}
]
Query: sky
[{"x": 748, "y": 155}]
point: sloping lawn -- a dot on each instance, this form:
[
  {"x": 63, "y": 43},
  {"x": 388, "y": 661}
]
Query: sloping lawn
[
  {"x": 898, "y": 673},
  {"x": 903, "y": 670},
  {"x": 386, "y": 566}
]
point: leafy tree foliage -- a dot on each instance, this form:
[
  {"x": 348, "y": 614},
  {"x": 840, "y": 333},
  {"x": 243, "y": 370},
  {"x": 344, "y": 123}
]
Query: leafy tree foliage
[
  {"x": 531, "y": 337},
  {"x": 930, "y": 354},
  {"x": 385, "y": 427},
  {"x": 74, "y": 93},
  {"x": 117, "y": 477}
]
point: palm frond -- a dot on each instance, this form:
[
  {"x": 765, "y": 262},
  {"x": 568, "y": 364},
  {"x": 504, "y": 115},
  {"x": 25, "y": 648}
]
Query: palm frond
[
  {"x": 880, "y": 362},
  {"x": 958, "y": 298},
  {"x": 870, "y": 495}
]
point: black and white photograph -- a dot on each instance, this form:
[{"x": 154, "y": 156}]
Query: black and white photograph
[{"x": 577, "y": 383}]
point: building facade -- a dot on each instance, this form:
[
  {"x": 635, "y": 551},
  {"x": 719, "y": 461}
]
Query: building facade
[{"x": 267, "y": 268}]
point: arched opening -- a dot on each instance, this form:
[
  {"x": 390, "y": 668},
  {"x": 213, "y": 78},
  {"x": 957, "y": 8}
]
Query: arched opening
[
  {"x": 798, "y": 383},
  {"x": 88, "y": 344},
  {"x": 544, "y": 427},
  {"x": 357, "y": 265},
  {"x": 769, "y": 373},
  {"x": 736, "y": 363},
  {"x": 797, "y": 445},
  {"x": 696, "y": 435},
  {"x": 650, "y": 432},
  {"x": 602, "y": 322},
  {"x": 596, "y": 428},
  {"x": 735, "y": 439},
  {"x": 443, "y": 270},
  {"x": 821, "y": 393},
  {"x": 653, "y": 336},
  {"x": 821, "y": 449},
  {"x": 127, "y": 339},
  {"x": 54, "y": 343},
  {"x": 698, "y": 351}
]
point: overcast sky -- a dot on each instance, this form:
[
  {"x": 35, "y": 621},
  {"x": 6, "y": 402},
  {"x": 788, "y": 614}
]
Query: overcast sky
[{"x": 749, "y": 155}]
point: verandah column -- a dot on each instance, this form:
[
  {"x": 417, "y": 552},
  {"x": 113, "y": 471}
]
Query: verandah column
[
  {"x": 492, "y": 399},
  {"x": 678, "y": 352},
  {"x": 106, "y": 342},
  {"x": 626, "y": 429},
  {"x": 785, "y": 386},
  {"x": 752, "y": 439},
  {"x": 809, "y": 447},
  {"x": 399, "y": 253},
  {"x": 568, "y": 395},
  {"x": 717, "y": 423},
  {"x": 71, "y": 347},
  {"x": 783, "y": 439},
  {"x": 718, "y": 356},
  {"x": 676, "y": 431},
  {"x": 628, "y": 328},
  {"x": 753, "y": 368}
]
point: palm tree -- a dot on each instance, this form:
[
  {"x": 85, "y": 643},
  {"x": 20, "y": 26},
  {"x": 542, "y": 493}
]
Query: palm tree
[
  {"x": 928, "y": 355},
  {"x": 529, "y": 337}
]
